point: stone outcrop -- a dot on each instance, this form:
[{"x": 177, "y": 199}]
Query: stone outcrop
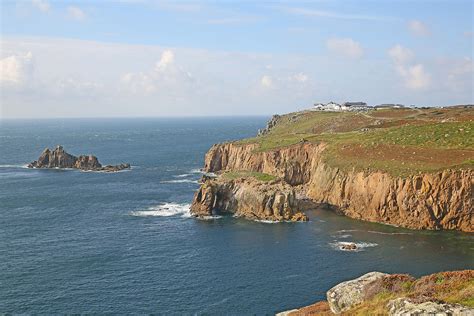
[
  {"x": 438, "y": 200},
  {"x": 248, "y": 198},
  {"x": 401, "y": 295},
  {"x": 346, "y": 295},
  {"x": 403, "y": 306},
  {"x": 59, "y": 158},
  {"x": 273, "y": 121}
]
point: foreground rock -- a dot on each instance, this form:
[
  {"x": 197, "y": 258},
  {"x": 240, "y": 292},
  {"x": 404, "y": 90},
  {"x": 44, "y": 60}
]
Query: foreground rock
[
  {"x": 346, "y": 295},
  {"x": 59, "y": 158},
  {"x": 375, "y": 293},
  {"x": 248, "y": 198}
]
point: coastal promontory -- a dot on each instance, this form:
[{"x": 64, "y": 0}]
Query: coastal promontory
[{"x": 408, "y": 167}]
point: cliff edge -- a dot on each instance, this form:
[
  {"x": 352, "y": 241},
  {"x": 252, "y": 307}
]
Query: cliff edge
[{"x": 405, "y": 167}]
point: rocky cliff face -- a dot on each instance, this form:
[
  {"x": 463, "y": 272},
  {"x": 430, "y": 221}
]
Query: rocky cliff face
[
  {"x": 248, "y": 198},
  {"x": 441, "y": 200},
  {"x": 59, "y": 158}
]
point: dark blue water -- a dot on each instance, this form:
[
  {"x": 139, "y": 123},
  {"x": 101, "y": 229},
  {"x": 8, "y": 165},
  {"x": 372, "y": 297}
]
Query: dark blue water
[{"x": 79, "y": 242}]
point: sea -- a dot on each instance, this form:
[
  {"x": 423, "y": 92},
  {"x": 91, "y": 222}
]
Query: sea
[{"x": 125, "y": 243}]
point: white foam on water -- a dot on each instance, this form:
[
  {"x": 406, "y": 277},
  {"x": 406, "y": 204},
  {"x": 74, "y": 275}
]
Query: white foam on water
[
  {"x": 184, "y": 175},
  {"x": 196, "y": 171},
  {"x": 337, "y": 245},
  {"x": 14, "y": 166},
  {"x": 210, "y": 217},
  {"x": 266, "y": 221},
  {"x": 180, "y": 181},
  {"x": 165, "y": 210}
]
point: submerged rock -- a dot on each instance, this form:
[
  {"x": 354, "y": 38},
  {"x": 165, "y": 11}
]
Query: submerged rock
[
  {"x": 59, "y": 158},
  {"x": 349, "y": 246}
]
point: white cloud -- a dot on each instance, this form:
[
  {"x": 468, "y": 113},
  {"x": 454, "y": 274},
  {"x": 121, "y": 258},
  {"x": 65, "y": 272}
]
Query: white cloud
[
  {"x": 165, "y": 77},
  {"x": 418, "y": 28},
  {"x": 414, "y": 76},
  {"x": 42, "y": 5},
  {"x": 345, "y": 47},
  {"x": 335, "y": 15},
  {"x": 76, "y": 13},
  {"x": 267, "y": 81},
  {"x": 299, "y": 77},
  {"x": 16, "y": 69},
  {"x": 400, "y": 54}
]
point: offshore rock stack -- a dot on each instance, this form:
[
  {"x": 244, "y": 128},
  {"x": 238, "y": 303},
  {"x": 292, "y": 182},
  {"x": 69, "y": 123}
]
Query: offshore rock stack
[{"x": 60, "y": 159}]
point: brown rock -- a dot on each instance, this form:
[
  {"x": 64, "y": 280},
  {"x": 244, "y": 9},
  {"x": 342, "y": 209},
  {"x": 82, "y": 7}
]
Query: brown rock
[
  {"x": 248, "y": 198},
  {"x": 439, "y": 200},
  {"x": 59, "y": 158}
]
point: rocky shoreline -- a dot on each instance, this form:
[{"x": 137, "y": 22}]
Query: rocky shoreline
[
  {"x": 376, "y": 293},
  {"x": 60, "y": 159},
  {"x": 438, "y": 200},
  {"x": 248, "y": 198}
]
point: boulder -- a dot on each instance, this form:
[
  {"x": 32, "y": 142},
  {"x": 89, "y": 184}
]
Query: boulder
[
  {"x": 350, "y": 293},
  {"x": 404, "y": 306}
]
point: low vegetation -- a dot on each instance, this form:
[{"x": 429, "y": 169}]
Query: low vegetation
[
  {"x": 456, "y": 287},
  {"x": 398, "y": 141},
  {"x": 232, "y": 175}
]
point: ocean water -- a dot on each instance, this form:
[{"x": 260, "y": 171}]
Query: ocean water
[{"x": 85, "y": 242}]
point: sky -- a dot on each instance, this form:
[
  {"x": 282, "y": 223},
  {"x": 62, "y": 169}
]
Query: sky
[{"x": 147, "y": 58}]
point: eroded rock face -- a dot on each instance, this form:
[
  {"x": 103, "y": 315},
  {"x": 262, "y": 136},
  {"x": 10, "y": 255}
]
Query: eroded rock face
[
  {"x": 404, "y": 306},
  {"x": 59, "y": 158},
  {"x": 348, "y": 294},
  {"x": 439, "y": 200},
  {"x": 248, "y": 198}
]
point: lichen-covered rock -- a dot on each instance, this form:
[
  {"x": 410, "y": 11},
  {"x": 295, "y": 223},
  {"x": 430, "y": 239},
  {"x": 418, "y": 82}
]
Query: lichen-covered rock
[
  {"x": 248, "y": 198},
  {"x": 404, "y": 306},
  {"x": 59, "y": 158},
  {"x": 348, "y": 294}
]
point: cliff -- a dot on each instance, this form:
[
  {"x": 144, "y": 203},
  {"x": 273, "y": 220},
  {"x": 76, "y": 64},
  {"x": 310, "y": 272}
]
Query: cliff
[
  {"x": 383, "y": 188},
  {"x": 440, "y": 200},
  {"x": 375, "y": 293},
  {"x": 247, "y": 197},
  {"x": 59, "y": 158}
]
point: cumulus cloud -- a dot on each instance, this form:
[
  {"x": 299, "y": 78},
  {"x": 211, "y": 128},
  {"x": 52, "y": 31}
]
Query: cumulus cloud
[
  {"x": 414, "y": 76},
  {"x": 299, "y": 77},
  {"x": 76, "y": 13},
  {"x": 400, "y": 54},
  {"x": 16, "y": 69},
  {"x": 165, "y": 76},
  {"x": 418, "y": 28},
  {"x": 345, "y": 47},
  {"x": 267, "y": 81},
  {"x": 42, "y": 5}
]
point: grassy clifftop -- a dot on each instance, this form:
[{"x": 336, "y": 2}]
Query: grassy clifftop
[{"x": 398, "y": 141}]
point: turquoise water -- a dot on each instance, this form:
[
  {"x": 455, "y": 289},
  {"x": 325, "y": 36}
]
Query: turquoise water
[{"x": 84, "y": 242}]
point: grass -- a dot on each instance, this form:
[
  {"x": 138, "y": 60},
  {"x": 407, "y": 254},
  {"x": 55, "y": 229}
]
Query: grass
[
  {"x": 455, "y": 287},
  {"x": 400, "y": 142},
  {"x": 232, "y": 175}
]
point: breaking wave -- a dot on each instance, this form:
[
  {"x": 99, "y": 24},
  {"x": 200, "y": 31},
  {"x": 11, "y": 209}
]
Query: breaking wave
[
  {"x": 14, "y": 166},
  {"x": 180, "y": 181},
  {"x": 165, "y": 210},
  {"x": 372, "y": 232}
]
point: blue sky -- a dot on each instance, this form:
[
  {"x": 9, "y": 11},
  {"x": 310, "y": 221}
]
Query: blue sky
[{"x": 159, "y": 58}]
